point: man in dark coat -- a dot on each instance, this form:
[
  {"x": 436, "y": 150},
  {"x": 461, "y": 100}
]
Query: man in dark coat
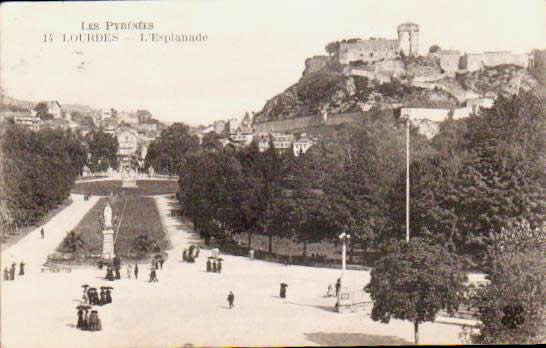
[
  {"x": 338, "y": 285},
  {"x": 219, "y": 266},
  {"x": 108, "y": 296},
  {"x": 42, "y": 232},
  {"x": 6, "y": 273},
  {"x": 209, "y": 266},
  {"x": 283, "y": 290},
  {"x": 230, "y": 299},
  {"x": 22, "y": 268},
  {"x": 136, "y": 271},
  {"x": 214, "y": 268},
  {"x": 118, "y": 275}
]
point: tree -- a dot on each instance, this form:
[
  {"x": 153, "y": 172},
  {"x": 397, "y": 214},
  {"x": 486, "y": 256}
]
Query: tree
[
  {"x": 511, "y": 307},
  {"x": 103, "y": 148},
  {"x": 434, "y": 49},
  {"x": 42, "y": 111},
  {"x": 143, "y": 116},
  {"x": 332, "y": 47},
  {"x": 168, "y": 153},
  {"x": 414, "y": 281}
]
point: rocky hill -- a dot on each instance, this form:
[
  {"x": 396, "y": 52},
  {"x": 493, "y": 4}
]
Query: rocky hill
[{"x": 413, "y": 82}]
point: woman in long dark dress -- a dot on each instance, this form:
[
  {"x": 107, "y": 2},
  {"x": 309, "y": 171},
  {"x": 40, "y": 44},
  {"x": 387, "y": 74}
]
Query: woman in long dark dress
[
  {"x": 80, "y": 324},
  {"x": 85, "y": 321},
  {"x": 103, "y": 297},
  {"x": 108, "y": 296},
  {"x": 109, "y": 273}
]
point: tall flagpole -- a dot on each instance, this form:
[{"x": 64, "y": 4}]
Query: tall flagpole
[{"x": 407, "y": 178}]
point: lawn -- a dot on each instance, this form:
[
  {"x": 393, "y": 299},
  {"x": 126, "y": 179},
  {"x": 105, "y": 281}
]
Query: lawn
[
  {"x": 145, "y": 187},
  {"x": 140, "y": 217}
]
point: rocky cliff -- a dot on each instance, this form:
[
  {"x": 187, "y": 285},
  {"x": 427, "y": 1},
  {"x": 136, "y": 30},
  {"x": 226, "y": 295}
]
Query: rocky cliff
[{"x": 414, "y": 82}]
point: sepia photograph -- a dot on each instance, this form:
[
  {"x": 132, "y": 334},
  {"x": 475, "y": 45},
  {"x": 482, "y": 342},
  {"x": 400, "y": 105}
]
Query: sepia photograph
[{"x": 274, "y": 173}]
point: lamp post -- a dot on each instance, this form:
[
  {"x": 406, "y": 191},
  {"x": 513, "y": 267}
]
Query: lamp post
[
  {"x": 344, "y": 238},
  {"x": 407, "y": 177}
]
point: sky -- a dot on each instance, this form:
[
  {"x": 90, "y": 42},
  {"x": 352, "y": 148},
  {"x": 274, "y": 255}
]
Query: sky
[{"x": 254, "y": 50}]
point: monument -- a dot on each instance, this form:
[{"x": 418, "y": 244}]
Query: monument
[
  {"x": 128, "y": 178},
  {"x": 108, "y": 234}
]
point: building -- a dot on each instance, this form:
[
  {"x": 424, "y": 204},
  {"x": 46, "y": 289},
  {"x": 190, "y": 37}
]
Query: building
[
  {"x": 302, "y": 145},
  {"x": 26, "y": 120},
  {"x": 282, "y": 142},
  {"x": 373, "y": 50},
  {"x": 219, "y": 127},
  {"x": 128, "y": 145}
]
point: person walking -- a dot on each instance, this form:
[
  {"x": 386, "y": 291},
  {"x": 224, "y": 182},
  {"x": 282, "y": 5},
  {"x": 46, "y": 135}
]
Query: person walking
[
  {"x": 161, "y": 260},
  {"x": 12, "y": 272},
  {"x": 283, "y": 290},
  {"x": 42, "y": 232},
  {"x": 338, "y": 285},
  {"x": 136, "y": 271},
  {"x": 129, "y": 271},
  {"x": 6, "y": 273},
  {"x": 230, "y": 299},
  {"x": 22, "y": 268},
  {"x": 209, "y": 266},
  {"x": 153, "y": 276}
]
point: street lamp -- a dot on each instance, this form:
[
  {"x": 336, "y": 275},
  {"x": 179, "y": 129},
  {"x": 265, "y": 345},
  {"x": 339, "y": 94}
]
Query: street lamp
[
  {"x": 344, "y": 238},
  {"x": 407, "y": 119}
]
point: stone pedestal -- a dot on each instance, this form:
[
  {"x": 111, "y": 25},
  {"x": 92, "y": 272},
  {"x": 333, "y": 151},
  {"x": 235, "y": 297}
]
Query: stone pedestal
[
  {"x": 344, "y": 301},
  {"x": 128, "y": 180},
  {"x": 108, "y": 244}
]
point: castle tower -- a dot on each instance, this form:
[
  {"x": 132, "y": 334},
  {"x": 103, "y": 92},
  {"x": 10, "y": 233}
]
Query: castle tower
[{"x": 408, "y": 39}]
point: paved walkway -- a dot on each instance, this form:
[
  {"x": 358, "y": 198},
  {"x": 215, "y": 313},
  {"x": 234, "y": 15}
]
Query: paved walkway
[
  {"x": 33, "y": 250},
  {"x": 188, "y": 305}
]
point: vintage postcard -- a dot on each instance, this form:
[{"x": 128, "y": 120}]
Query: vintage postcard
[{"x": 272, "y": 173}]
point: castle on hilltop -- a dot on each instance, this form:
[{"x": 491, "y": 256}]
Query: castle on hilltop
[
  {"x": 373, "y": 49},
  {"x": 451, "y": 61}
]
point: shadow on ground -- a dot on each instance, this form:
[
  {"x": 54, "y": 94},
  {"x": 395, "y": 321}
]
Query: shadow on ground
[{"x": 353, "y": 339}]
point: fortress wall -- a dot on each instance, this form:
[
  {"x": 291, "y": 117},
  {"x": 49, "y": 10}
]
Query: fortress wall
[
  {"x": 304, "y": 122},
  {"x": 284, "y": 125},
  {"x": 381, "y": 77},
  {"x": 450, "y": 62},
  {"x": 472, "y": 62},
  {"x": 367, "y": 50},
  {"x": 343, "y": 118},
  {"x": 500, "y": 58}
]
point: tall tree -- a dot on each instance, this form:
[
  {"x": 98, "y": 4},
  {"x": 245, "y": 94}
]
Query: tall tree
[
  {"x": 103, "y": 148},
  {"x": 414, "y": 281}
]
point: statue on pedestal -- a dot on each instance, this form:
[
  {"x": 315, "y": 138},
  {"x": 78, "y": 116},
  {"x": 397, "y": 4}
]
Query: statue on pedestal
[{"x": 108, "y": 234}]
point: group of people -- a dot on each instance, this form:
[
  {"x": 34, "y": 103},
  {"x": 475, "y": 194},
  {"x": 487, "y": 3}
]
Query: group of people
[
  {"x": 92, "y": 297},
  {"x": 88, "y": 322},
  {"x": 215, "y": 265},
  {"x": 190, "y": 254},
  {"x": 157, "y": 263},
  {"x": 10, "y": 274}
]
